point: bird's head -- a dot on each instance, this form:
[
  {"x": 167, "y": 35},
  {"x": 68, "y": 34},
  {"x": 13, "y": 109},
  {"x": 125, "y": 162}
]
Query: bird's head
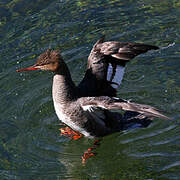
[{"x": 49, "y": 60}]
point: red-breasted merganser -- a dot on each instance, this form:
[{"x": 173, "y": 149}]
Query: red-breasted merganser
[{"x": 87, "y": 108}]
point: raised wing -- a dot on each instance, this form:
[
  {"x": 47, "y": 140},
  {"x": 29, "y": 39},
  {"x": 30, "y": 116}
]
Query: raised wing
[{"x": 106, "y": 64}]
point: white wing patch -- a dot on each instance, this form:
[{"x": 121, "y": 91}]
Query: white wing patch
[
  {"x": 115, "y": 77},
  {"x": 88, "y": 108},
  {"x": 110, "y": 72}
]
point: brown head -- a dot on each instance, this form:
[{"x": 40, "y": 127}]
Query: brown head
[{"x": 49, "y": 60}]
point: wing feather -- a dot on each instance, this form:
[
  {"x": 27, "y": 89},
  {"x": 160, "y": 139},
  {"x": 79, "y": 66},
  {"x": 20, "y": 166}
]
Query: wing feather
[{"x": 108, "y": 103}]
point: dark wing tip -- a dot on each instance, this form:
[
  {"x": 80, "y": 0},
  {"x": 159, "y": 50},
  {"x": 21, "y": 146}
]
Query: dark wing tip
[
  {"x": 156, "y": 47},
  {"x": 153, "y": 47}
]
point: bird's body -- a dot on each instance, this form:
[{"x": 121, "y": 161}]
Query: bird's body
[{"x": 88, "y": 107}]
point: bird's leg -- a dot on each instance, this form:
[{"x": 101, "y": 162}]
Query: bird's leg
[
  {"x": 70, "y": 133},
  {"x": 87, "y": 154}
]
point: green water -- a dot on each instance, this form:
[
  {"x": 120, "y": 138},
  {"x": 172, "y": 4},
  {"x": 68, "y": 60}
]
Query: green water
[{"x": 30, "y": 144}]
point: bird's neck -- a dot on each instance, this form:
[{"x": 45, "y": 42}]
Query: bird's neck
[{"x": 63, "y": 90}]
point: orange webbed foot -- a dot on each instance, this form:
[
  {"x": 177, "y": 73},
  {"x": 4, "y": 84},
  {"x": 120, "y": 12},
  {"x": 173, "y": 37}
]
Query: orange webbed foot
[
  {"x": 70, "y": 133},
  {"x": 87, "y": 154}
]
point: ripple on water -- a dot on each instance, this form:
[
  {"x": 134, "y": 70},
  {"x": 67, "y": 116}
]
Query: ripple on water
[
  {"x": 151, "y": 134},
  {"x": 174, "y": 164},
  {"x": 143, "y": 155}
]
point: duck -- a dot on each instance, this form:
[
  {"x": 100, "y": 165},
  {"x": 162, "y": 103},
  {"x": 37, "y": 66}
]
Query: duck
[{"x": 92, "y": 108}]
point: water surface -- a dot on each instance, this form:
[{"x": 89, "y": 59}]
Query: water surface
[{"x": 30, "y": 144}]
